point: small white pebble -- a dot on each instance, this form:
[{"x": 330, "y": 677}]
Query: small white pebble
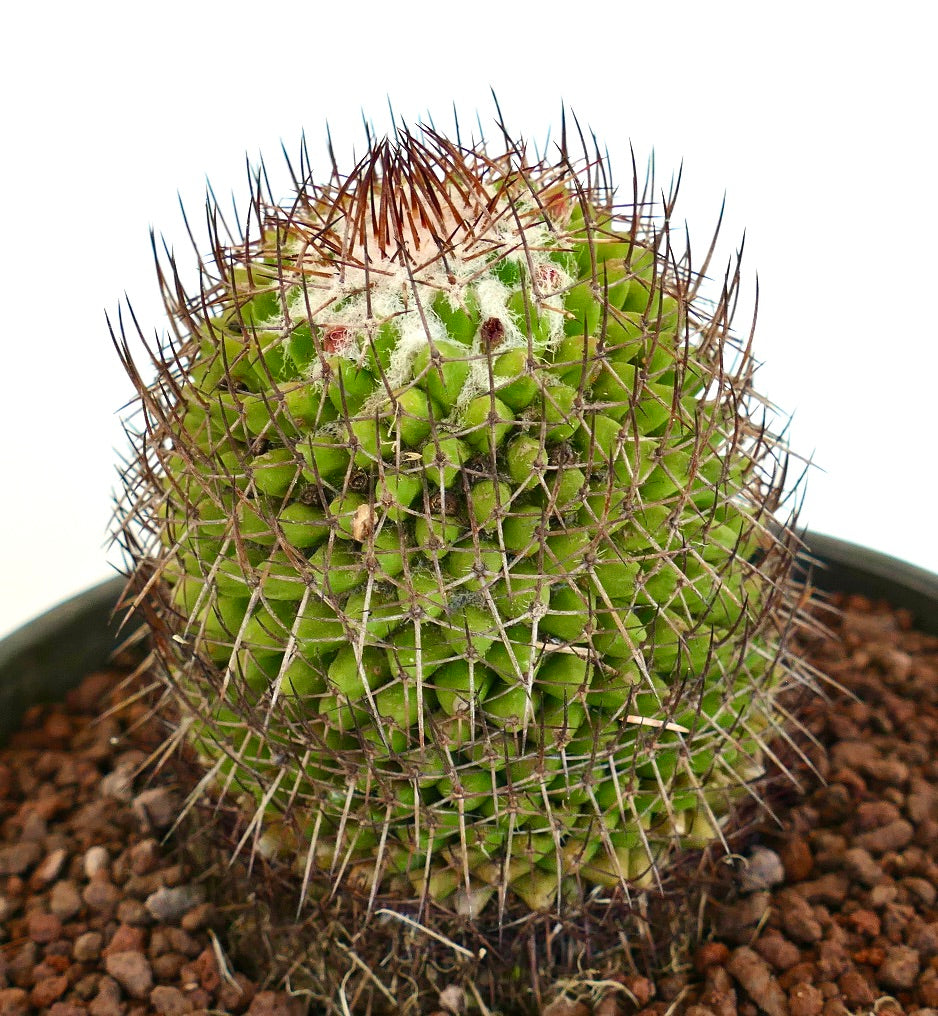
[
  {"x": 96, "y": 859},
  {"x": 763, "y": 870},
  {"x": 119, "y": 785}
]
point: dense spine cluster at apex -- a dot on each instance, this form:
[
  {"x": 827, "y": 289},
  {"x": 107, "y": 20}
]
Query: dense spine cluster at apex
[{"x": 452, "y": 516}]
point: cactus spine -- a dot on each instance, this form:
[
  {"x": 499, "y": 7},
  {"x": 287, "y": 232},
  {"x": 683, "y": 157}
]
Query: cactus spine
[{"x": 452, "y": 516}]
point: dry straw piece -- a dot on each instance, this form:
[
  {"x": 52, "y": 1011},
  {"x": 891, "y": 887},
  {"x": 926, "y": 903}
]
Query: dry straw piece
[{"x": 456, "y": 523}]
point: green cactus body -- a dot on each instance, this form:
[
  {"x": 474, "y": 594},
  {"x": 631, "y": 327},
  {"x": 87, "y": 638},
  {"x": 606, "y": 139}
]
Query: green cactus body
[{"x": 472, "y": 522}]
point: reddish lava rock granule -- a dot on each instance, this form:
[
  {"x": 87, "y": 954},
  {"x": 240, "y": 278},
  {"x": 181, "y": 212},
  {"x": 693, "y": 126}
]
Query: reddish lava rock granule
[
  {"x": 833, "y": 912},
  {"x": 98, "y": 916}
]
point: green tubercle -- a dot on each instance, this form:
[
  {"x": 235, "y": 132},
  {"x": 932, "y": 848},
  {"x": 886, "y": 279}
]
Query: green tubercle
[{"x": 458, "y": 490}]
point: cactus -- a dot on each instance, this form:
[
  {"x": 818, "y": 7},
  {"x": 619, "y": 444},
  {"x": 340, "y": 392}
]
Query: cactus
[{"x": 455, "y": 522}]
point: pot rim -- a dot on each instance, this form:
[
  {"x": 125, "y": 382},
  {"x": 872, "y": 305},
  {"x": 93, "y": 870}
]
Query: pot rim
[
  {"x": 49, "y": 655},
  {"x": 838, "y": 565}
]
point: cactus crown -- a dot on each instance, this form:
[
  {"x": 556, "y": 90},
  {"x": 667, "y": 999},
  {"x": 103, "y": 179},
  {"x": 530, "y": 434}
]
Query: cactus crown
[{"x": 452, "y": 517}]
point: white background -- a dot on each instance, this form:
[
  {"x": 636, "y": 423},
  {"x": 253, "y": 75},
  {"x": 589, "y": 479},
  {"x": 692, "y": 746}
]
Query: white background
[{"x": 816, "y": 120}]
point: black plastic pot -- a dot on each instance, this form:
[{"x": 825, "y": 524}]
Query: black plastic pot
[
  {"x": 847, "y": 568},
  {"x": 42, "y": 660},
  {"x": 51, "y": 654}
]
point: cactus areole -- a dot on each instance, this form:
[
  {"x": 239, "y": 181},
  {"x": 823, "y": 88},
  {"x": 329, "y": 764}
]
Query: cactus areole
[{"x": 456, "y": 525}]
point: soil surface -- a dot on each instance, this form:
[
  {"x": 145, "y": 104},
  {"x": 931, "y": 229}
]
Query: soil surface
[
  {"x": 98, "y": 915},
  {"x": 832, "y": 912}
]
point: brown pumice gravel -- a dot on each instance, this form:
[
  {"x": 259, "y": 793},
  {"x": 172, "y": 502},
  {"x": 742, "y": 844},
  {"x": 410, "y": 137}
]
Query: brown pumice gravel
[
  {"x": 834, "y": 913},
  {"x": 97, "y": 915}
]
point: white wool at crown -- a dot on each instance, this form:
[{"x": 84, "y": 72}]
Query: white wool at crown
[{"x": 372, "y": 287}]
